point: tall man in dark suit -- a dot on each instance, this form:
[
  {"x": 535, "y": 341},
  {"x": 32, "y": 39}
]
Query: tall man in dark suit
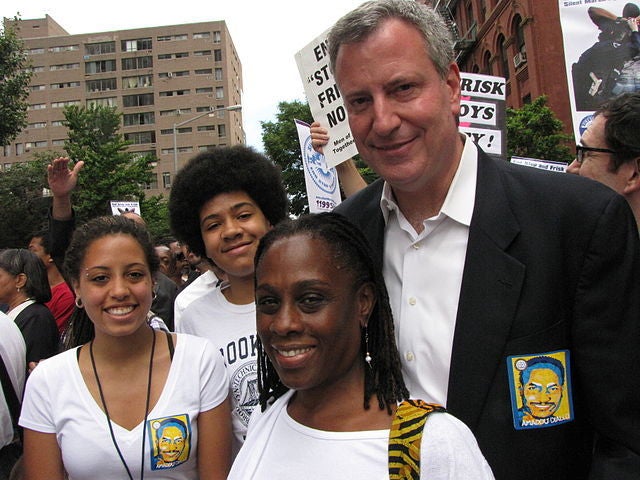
[{"x": 490, "y": 266}]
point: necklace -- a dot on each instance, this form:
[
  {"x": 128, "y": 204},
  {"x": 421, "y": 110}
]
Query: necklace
[{"x": 146, "y": 408}]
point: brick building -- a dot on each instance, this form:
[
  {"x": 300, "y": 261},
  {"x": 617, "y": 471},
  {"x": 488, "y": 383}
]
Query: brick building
[
  {"x": 520, "y": 40},
  {"x": 161, "y": 78}
]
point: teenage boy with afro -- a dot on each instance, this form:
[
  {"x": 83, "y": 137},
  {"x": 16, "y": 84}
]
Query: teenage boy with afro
[{"x": 222, "y": 203}]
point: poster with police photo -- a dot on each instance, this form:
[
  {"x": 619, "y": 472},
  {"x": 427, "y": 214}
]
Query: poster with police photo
[{"x": 602, "y": 53}]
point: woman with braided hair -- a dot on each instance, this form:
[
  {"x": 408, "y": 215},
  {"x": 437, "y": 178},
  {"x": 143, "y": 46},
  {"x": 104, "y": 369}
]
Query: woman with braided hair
[{"x": 329, "y": 375}]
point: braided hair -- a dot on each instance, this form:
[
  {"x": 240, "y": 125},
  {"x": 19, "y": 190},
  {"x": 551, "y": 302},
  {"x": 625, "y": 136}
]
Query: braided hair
[{"x": 350, "y": 251}]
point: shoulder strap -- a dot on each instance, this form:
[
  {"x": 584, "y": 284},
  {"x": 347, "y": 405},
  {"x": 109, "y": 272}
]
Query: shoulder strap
[
  {"x": 405, "y": 438},
  {"x": 9, "y": 394},
  {"x": 170, "y": 344}
]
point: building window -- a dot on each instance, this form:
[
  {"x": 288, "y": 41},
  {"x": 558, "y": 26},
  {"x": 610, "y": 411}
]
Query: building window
[
  {"x": 36, "y": 51},
  {"x": 183, "y": 36},
  {"x": 166, "y": 179},
  {"x": 153, "y": 185},
  {"x": 37, "y": 88},
  {"x": 204, "y": 90},
  {"x": 137, "y": 81},
  {"x": 218, "y": 74},
  {"x": 222, "y": 130},
  {"x": 504, "y": 57},
  {"x": 136, "y": 45},
  {"x": 518, "y": 32},
  {"x": 137, "y": 138},
  {"x": 206, "y": 128},
  {"x": 140, "y": 100},
  {"x": 65, "y": 85},
  {"x": 64, "y": 66},
  {"x": 104, "y": 102},
  {"x": 135, "y": 63},
  {"x": 65, "y": 103},
  {"x": 487, "y": 63},
  {"x": 201, "y": 53},
  {"x": 201, "y": 35},
  {"x": 37, "y": 106},
  {"x": 102, "y": 85},
  {"x": 59, "y": 142},
  {"x": 203, "y": 71},
  {"x": 100, "y": 66},
  {"x": 65, "y": 48},
  {"x": 37, "y": 125},
  {"x": 57, "y": 123},
  {"x": 99, "y": 48},
  {"x": 182, "y": 55},
  {"x": 217, "y": 55},
  {"x": 219, "y": 92},
  {"x": 216, "y": 37}
]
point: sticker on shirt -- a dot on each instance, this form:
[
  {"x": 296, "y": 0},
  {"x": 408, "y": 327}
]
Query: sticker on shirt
[
  {"x": 170, "y": 441},
  {"x": 540, "y": 387}
]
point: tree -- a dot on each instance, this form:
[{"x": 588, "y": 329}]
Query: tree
[
  {"x": 14, "y": 86},
  {"x": 110, "y": 171},
  {"x": 534, "y": 131},
  {"x": 24, "y": 209},
  {"x": 280, "y": 139}
]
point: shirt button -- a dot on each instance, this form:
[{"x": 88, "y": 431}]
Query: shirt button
[
  {"x": 409, "y": 356},
  {"x": 412, "y": 301}
]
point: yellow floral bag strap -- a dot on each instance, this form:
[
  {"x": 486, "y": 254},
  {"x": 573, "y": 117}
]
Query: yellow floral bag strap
[{"x": 405, "y": 438}]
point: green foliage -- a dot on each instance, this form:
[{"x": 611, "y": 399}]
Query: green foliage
[
  {"x": 110, "y": 172},
  {"x": 24, "y": 209},
  {"x": 280, "y": 140},
  {"x": 534, "y": 131},
  {"x": 155, "y": 211},
  {"x": 14, "y": 86}
]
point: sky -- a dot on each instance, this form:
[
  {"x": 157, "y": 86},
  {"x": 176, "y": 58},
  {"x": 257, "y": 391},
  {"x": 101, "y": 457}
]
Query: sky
[{"x": 266, "y": 35}]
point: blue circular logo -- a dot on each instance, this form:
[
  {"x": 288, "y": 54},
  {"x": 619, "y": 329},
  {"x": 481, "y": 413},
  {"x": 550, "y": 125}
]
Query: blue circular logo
[
  {"x": 584, "y": 123},
  {"x": 324, "y": 177}
]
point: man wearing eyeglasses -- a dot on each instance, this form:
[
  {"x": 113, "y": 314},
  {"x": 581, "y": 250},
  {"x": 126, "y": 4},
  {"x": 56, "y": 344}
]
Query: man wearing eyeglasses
[{"x": 609, "y": 150}]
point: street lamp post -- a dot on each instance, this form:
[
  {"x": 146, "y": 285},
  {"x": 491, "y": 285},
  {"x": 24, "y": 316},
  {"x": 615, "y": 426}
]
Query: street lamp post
[{"x": 230, "y": 108}]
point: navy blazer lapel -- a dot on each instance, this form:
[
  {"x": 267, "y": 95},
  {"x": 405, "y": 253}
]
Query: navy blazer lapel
[{"x": 491, "y": 285}]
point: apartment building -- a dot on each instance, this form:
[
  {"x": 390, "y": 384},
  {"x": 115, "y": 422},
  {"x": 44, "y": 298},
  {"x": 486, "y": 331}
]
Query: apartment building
[
  {"x": 171, "y": 84},
  {"x": 519, "y": 40}
]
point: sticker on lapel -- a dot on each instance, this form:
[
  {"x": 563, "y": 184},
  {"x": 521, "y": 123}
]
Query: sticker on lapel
[{"x": 540, "y": 387}]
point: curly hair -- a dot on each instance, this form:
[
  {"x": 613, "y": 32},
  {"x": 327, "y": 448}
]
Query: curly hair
[
  {"x": 101, "y": 227},
  {"x": 352, "y": 253},
  {"x": 223, "y": 170}
]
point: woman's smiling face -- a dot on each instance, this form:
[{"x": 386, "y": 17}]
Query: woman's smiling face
[
  {"x": 115, "y": 284},
  {"x": 310, "y": 314}
]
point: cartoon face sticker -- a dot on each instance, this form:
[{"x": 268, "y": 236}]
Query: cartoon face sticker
[
  {"x": 170, "y": 440},
  {"x": 540, "y": 389}
]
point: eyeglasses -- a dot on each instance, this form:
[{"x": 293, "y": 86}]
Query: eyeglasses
[
  {"x": 180, "y": 256},
  {"x": 581, "y": 149}
]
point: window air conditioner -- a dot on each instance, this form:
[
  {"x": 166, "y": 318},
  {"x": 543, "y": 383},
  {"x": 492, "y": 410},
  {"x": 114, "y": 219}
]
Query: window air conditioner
[{"x": 519, "y": 59}]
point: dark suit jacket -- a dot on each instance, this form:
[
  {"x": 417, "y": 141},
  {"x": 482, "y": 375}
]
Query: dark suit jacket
[
  {"x": 39, "y": 330},
  {"x": 553, "y": 263}
]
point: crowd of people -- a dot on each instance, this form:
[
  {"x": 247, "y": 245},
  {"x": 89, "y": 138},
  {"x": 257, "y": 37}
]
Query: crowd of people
[{"x": 459, "y": 318}]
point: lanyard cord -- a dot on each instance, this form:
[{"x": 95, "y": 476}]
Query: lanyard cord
[{"x": 146, "y": 409}]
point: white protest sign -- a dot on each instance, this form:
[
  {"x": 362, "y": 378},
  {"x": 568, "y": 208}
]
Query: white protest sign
[
  {"x": 325, "y": 101},
  {"x": 540, "y": 164},
  {"x": 119, "y": 207},
  {"x": 323, "y": 189},
  {"x": 482, "y": 111}
]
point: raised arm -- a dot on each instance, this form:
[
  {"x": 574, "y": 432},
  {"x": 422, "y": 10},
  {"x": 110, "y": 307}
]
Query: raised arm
[
  {"x": 351, "y": 181},
  {"x": 62, "y": 181}
]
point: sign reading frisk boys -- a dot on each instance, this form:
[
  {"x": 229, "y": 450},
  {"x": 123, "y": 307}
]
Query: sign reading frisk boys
[
  {"x": 325, "y": 101},
  {"x": 482, "y": 111}
]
